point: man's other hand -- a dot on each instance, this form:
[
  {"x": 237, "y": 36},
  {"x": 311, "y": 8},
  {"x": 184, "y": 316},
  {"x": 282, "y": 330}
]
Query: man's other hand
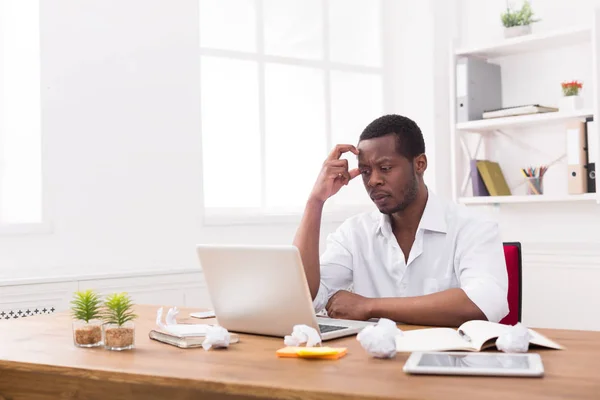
[{"x": 347, "y": 305}]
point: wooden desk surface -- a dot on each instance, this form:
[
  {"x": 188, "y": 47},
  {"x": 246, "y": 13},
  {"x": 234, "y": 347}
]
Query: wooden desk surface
[{"x": 38, "y": 361}]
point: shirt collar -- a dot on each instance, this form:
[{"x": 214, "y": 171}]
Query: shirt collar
[{"x": 433, "y": 218}]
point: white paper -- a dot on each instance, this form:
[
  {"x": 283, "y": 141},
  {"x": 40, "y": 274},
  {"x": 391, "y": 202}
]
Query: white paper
[
  {"x": 380, "y": 340},
  {"x": 514, "y": 340},
  {"x": 303, "y": 334},
  {"x": 203, "y": 314},
  {"x": 170, "y": 325},
  {"x": 216, "y": 337}
]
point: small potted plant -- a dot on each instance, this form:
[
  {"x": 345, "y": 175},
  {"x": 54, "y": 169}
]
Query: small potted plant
[
  {"x": 118, "y": 328},
  {"x": 518, "y": 22},
  {"x": 571, "y": 99},
  {"x": 87, "y": 326}
]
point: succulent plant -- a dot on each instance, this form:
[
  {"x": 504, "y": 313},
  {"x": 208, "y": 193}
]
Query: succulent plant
[
  {"x": 118, "y": 309},
  {"x": 86, "y": 305}
]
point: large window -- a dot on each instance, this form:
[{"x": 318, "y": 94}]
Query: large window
[
  {"x": 20, "y": 139},
  {"x": 283, "y": 81}
]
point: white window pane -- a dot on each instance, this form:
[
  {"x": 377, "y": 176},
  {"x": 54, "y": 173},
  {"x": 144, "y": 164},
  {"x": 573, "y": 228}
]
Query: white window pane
[
  {"x": 294, "y": 28},
  {"x": 230, "y": 133},
  {"x": 355, "y": 32},
  {"x": 356, "y": 100},
  {"x": 20, "y": 157},
  {"x": 228, "y": 24},
  {"x": 295, "y": 133}
]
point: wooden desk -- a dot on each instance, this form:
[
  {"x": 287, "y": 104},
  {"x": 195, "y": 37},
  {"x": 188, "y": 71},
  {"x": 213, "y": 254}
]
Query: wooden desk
[{"x": 38, "y": 361}]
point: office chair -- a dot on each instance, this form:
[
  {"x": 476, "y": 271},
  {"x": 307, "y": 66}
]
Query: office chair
[{"x": 512, "y": 254}]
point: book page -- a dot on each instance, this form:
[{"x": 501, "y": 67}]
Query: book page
[
  {"x": 431, "y": 339},
  {"x": 541, "y": 340},
  {"x": 481, "y": 331}
]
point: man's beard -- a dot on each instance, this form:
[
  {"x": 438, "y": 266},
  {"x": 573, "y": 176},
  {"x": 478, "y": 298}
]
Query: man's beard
[{"x": 410, "y": 194}]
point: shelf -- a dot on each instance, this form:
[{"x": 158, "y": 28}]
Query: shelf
[
  {"x": 529, "y": 43},
  {"x": 527, "y": 199},
  {"x": 521, "y": 121}
]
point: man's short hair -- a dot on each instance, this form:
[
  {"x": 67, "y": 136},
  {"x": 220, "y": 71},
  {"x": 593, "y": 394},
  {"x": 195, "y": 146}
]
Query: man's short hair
[{"x": 409, "y": 139}]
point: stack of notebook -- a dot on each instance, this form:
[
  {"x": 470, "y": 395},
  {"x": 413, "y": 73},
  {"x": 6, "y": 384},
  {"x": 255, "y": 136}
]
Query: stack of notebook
[{"x": 184, "y": 341}]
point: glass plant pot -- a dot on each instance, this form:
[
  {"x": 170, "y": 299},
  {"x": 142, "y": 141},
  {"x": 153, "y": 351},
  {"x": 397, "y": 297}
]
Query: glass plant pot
[
  {"x": 87, "y": 334},
  {"x": 119, "y": 337}
]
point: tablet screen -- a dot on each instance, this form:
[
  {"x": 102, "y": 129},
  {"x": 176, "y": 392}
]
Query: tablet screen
[{"x": 499, "y": 361}]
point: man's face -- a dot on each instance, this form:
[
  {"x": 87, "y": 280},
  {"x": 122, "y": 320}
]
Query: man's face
[{"x": 390, "y": 178}]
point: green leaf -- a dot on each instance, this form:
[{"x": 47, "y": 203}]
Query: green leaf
[
  {"x": 524, "y": 16},
  {"x": 86, "y": 305},
  {"x": 118, "y": 309}
]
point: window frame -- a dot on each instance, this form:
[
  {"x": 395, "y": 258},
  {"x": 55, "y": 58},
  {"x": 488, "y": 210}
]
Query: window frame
[
  {"x": 44, "y": 226},
  {"x": 264, "y": 216}
]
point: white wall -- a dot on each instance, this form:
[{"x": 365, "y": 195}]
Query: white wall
[
  {"x": 122, "y": 152},
  {"x": 120, "y": 123},
  {"x": 119, "y": 117},
  {"x": 560, "y": 241}
]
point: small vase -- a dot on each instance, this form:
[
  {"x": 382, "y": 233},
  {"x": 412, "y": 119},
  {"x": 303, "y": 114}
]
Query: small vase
[
  {"x": 570, "y": 103},
  {"x": 518, "y": 30},
  {"x": 119, "y": 337},
  {"x": 87, "y": 334}
]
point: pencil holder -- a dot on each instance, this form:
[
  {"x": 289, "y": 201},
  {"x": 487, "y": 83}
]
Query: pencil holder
[{"x": 535, "y": 185}]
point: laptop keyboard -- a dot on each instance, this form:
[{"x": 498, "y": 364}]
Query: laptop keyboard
[{"x": 330, "y": 328}]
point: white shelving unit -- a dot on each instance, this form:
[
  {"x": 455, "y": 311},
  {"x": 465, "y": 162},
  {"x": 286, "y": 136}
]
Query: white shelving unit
[
  {"x": 529, "y": 43},
  {"x": 486, "y": 128},
  {"x": 490, "y": 125},
  {"x": 527, "y": 199}
]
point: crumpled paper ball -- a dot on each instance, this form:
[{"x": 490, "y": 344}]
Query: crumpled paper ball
[
  {"x": 380, "y": 340},
  {"x": 514, "y": 340},
  {"x": 216, "y": 337},
  {"x": 303, "y": 334}
]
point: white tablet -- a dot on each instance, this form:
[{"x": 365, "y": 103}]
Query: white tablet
[{"x": 461, "y": 363}]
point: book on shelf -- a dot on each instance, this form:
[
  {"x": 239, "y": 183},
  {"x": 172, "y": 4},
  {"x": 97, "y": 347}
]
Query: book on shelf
[
  {"x": 471, "y": 336},
  {"x": 493, "y": 178},
  {"x": 517, "y": 110},
  {"x": 477, "y": 183}
]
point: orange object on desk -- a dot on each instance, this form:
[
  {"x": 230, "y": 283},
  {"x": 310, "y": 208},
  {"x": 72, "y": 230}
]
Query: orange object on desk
[{"x": 324, "y": 353}]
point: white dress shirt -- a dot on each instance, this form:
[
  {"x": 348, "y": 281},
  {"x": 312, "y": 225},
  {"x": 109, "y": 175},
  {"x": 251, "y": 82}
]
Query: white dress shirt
[{"x": 453, "y": 248}]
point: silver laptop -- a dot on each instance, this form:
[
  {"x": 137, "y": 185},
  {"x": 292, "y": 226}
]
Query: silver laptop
[{"x": 263, "y": 290}]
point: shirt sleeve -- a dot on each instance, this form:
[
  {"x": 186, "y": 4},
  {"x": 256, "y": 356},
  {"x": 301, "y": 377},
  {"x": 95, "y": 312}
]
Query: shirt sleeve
[
  {"x": 482, "y": 268},
  {"x": 336, "y": 267}
]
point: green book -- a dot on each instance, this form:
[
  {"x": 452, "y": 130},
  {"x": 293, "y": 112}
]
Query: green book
[{"x": 493, "y": 178}]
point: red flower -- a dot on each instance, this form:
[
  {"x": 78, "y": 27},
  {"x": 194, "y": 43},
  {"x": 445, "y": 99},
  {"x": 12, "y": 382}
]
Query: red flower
[{"x": 576, "y": 84}]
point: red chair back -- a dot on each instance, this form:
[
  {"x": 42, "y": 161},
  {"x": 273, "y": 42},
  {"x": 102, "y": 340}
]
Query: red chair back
[{"x": 512, "y": 254}]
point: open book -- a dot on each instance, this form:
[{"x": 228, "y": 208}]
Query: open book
[{"x": 470, "y": 336}]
